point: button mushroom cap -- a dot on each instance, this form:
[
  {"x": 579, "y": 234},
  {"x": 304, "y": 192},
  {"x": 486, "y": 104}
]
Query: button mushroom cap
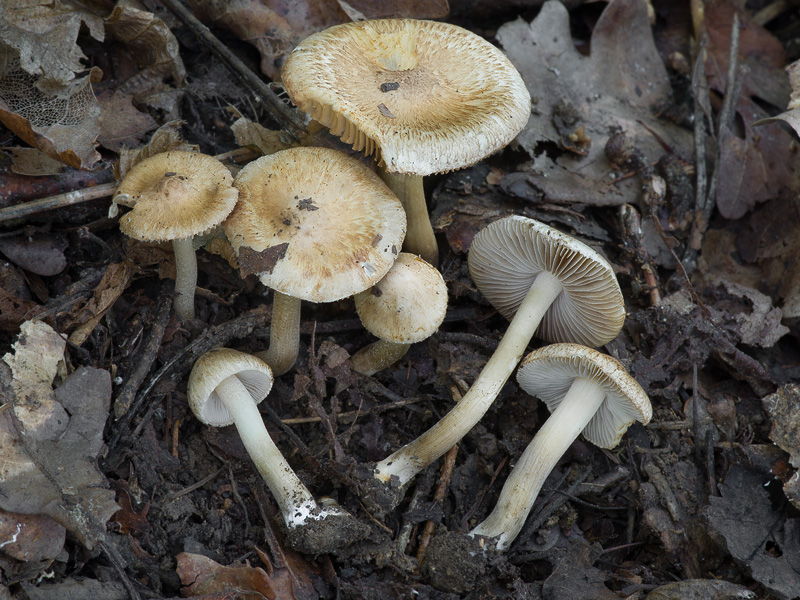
[
  {"x": 428, "y": 96},
  {"x": 507, "y": 256},
  {"x": 313, "y": 224},
  {"x": 541, "y": 279},
  {"x": 425, "y": 96},
  {"x": 586, "y": 391},
  {"x": 175, "y": 196},
  {"x": 405, "y": 307}
]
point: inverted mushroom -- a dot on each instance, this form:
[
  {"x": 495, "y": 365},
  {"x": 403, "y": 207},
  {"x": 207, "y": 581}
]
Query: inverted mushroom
[
  {"x": 545, "y": 282},
  {"x": 313, "y": 224},
  {"x": 405, "y": 307},
  {"x": 175, "y": 196},
  {"x": 585, "y": 391},
  {"x": 225, "y": 387},
  {"x": 427, "y": 97}
]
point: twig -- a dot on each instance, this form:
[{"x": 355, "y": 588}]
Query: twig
[
  {"x": 149, "y": 352},
  {"x": 289, "y": 119},
  {"x": 195, "y": 486},
  {"x": 438, "y": 495},
  {"x": 351, "y": 415},
  {"x": 479, "y": 499}
]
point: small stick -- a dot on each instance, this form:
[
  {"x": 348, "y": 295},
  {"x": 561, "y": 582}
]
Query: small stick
[
  {"x": 148, "y": 354},
  {"x": 289, "y": 118},
  {"x": 438, "y": 496}
]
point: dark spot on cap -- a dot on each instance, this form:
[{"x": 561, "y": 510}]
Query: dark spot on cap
[{"x": 255, "y": 262}]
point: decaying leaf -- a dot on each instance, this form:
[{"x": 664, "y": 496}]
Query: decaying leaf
[
  {"x": 614, "y": 88},
  {"x": 154, "y": 45},
  {"x": 759, "y": 537},
  {"x": 86, "y": 316},
  {"x": 792, "y": 113},
  {"x": 38, "y": 253},
  {"x": 200, "y": 576},
  {"x": 44, "y": 35},
  {"x": 701, "y": 589},
  {"x": 62, "y": 123},
  {"x": 49, "y": 440},
  {"x": 15, "y": 310},
  {"x": 121, "y": 124},
  {"x": 574, "y": 574},
  {"x": 250, "y": 133},
  {"x": 30, "y": 537},
  {"x": 754, "y": 164},
  {"x": 30, "y": 161},
  {"x": 165, "y": 138},
  {"x": 783, "y": 408}
]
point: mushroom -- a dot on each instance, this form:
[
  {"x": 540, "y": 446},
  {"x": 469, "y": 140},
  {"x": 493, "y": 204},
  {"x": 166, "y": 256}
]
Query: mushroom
[
  {"x": 314, "y": 224},
  {"x": 225, "y": 387},
  {"x": 427, "y": 97},
  {"x": 405, "y": 307},
  {"x": 545, "y": 282},
  {"x": 585, "y": 391},
  {"x": 175, "y": 196}
]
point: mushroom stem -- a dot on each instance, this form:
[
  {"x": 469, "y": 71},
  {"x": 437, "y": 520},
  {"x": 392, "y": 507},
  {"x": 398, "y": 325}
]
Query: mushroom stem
[
  {"x": 185, "y": 277},
  {"x": 549, "y": 444},
  {"x": 377, "y": 356},
  {"x": 295, "y": 501},
  {"x": 420, "y": 238},
  {"x": 409, "y": 460},
  {"x": 284, "y": 334}
]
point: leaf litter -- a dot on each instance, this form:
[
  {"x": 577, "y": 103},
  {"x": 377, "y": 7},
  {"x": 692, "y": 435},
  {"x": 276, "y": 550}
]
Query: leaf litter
[{"x": 183, "y": 489}]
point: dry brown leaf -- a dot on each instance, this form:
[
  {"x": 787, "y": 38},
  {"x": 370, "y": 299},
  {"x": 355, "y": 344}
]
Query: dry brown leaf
[
  {"x": 15, "y": 310},
  {"x": 754, "y": 164},
  {"x": 250, "y": 133},
  {"x": 783, "y": 408},
  {"x": 614, "y": 88},
  {"x": 30, "y": 537},
  {"x": 44, "y": 36},
  {"x": 30, "y": 161},
  {"x": 40, "y": 253},
  {"x": 167, "y": 137},
  {"x": 85, "y": 317},
  {"x": 254, "y": 22},
  {"x": 154, "y": 45},
  {"x": 61, "y": 123},
  {"x": 49, "y": 439},
  {"x": 121, "y": 124},
  {"x": 202, "y": 576}
]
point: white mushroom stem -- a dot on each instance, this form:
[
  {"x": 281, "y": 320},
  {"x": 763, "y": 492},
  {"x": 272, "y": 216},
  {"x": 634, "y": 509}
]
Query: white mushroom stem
[
  {"x": 549, "y": 444},
  {"x": 409, "y": 460},
  {"x": 295, "y": 501},
  {"x": 284, "y": 334},
  {"x": 420, "y": 238},
  {"x": 185, "y": 278},
  {"x": 377, "y": 356}
]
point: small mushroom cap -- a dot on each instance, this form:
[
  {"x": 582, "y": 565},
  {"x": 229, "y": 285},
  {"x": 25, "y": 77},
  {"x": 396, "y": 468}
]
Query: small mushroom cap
[
  {"x": 214, "y": 367},
  {"x": 407, "y": 305},
  {"x": 315, "y": 224},
  {"x": 505, "y": 258},
  {"x": 175, "y": 195},
  {"x": 548, "y": 373},
  {"x": 428, "y": 96}
]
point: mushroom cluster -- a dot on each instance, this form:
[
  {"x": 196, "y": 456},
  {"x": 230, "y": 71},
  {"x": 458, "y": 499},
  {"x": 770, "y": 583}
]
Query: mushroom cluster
[{"x": 314, "y": 224}]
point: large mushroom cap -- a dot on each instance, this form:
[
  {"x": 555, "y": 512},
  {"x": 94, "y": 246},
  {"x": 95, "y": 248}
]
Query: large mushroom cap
[
  {"x": 214, "y": 367},
  {"x": 548, "y": 373},
  {"x": 315, "y": 224},
  {"x": 407, "y": 305},
  {"x": 175, "y": 195},
  {"x": 428, "y": 96},
  {"x": 505, "y": 258}
]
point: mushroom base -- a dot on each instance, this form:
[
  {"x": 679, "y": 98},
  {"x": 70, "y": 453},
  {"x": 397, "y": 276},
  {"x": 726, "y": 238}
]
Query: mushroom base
[{"x": 327, "y": 533}]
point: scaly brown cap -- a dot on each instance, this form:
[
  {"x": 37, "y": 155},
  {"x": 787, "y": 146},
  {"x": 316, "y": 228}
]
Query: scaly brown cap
[
  {"x": 175, "y": 195},
  {"x": 315, "y": 224},
  {"x": 428, "y": 97}
]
